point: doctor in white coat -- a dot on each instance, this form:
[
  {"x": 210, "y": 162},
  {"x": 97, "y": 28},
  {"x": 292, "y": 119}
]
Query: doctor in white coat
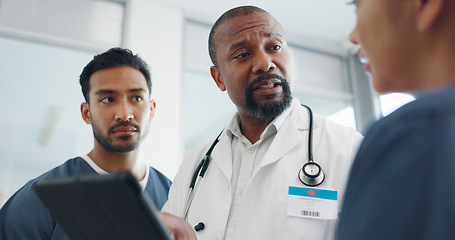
[{"x": 252, "y": 188}]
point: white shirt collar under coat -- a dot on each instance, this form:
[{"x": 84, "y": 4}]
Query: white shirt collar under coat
[{"x": 223, "y": 150}]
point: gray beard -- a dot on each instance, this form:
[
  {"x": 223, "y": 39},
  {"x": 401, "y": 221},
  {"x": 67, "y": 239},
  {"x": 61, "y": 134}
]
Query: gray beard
[{"x": 268, "y": 112}]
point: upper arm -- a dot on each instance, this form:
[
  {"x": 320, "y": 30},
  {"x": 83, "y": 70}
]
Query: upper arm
[{"x": 25, "y": 217}]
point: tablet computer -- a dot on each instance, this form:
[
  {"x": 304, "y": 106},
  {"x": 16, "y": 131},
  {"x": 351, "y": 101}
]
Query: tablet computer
[{"x": 110, "y": 206}]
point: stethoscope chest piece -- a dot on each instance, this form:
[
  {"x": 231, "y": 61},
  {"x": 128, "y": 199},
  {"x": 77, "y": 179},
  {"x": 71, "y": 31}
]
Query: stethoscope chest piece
[{"x": 311, "y": 174}]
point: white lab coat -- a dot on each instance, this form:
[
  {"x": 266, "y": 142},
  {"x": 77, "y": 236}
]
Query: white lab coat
[{"x": 262, "y": 211}]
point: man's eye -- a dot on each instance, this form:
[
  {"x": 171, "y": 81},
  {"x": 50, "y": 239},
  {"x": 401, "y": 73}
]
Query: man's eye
[
  {"x": 137, "y": 98},
  {"x": 241, "y": 55},
  {"x": 276, "y": 47},
  {"x": 107, "y": 100}
]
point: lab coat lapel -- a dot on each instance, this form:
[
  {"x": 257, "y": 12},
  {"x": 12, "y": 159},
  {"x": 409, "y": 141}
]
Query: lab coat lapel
[
  {"x": 222, "y": 156},
  {"x": 293, "y": 131}
]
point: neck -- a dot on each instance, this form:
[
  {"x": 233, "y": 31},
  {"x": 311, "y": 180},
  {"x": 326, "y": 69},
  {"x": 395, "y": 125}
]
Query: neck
[
  {"x": 435, "y": 66},
  {"x": 438, "y": 68},
  {"x": 252, "y": 128},
  {"x": 115, "y": 162}
]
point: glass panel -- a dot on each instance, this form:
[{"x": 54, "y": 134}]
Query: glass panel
[
  {"x": 206, "y": 109},
  {"x": 317, "y": 69},
  {"x": 42, "y": 122},
  {"x": 196, "y": 51}
]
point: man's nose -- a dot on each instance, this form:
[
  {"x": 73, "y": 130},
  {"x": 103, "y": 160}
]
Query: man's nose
[
  {"x": 263, "y": 62},
  {"x": 353, "y": 36},
  {"x": 124, "y": 112}
]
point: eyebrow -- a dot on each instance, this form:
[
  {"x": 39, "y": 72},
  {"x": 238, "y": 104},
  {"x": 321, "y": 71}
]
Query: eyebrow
[
  {"x": 108, "y": 91},
  {"x": 243, "y": 42},
  {"x": 273, "y": 34}
]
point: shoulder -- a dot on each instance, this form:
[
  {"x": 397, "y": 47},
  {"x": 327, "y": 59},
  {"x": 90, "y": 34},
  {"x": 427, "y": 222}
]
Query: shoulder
[
  {"x": 300, "y": 115},
  {"x": 157, "y": 188},
  {"x": 412, "y": 135},
  {"x": 326, "y": 132},
  {"x": 339, "y": 135},
  {"x": 195, "y": 155},
  {"x": 411, "y": 144},
  {"x": 24, "y": 216},
  {"x": 182, "y": 180},
  {"x": 17, "y": 210},
  {"x": 157, "y": 176},
  {"x": 432, "y": 113},
  {"x": 74, "y": 166},
  {"x": 436, "y": 104},
  {"x": 326, "y": 123},
  {"x": 70, "y": 167}
]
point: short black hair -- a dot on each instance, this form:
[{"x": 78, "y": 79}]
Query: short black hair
[
  {"x": 114, "y": 57},
  {"x": 238, "y": 11}
]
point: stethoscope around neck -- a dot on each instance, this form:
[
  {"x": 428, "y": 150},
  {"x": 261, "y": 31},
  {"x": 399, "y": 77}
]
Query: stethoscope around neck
[{"x": 310, "y": 174}]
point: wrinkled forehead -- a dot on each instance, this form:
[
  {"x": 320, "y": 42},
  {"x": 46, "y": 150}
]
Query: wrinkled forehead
[{"x": 258, "y": 22}]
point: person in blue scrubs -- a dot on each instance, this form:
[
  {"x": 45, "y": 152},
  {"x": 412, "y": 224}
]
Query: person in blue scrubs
[
  {"x": 117, "y": 88},
  {"x": 402, "y": 182}
]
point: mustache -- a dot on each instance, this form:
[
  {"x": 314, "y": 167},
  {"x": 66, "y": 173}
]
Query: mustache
[
  {"x": 257, "y": 80},
  {"x": 124, "y": 124},
  {"x": 267, "y": 76}
]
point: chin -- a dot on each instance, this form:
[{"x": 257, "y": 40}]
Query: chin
[{"x": 380, "y": 84}]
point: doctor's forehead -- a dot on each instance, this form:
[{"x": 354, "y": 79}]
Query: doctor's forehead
[
  {"x": 242, "y": 30},
  {"x": 257, "y": 21},
  {"x": 228, "y": 16}
]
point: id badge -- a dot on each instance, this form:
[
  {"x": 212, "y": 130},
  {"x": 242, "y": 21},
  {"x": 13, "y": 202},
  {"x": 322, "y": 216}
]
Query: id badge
[{"x": 313, "y": 203}]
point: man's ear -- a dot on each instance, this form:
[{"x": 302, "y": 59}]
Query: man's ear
[
  {"x": 429, "y": 11},
  {"x": 85, "y": 112},
  {"x": 216, "y": 75},
  {"x": 152, "y": 108}
]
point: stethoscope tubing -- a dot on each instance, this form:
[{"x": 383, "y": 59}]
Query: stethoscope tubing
[{"x": 198, "y": 175}]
